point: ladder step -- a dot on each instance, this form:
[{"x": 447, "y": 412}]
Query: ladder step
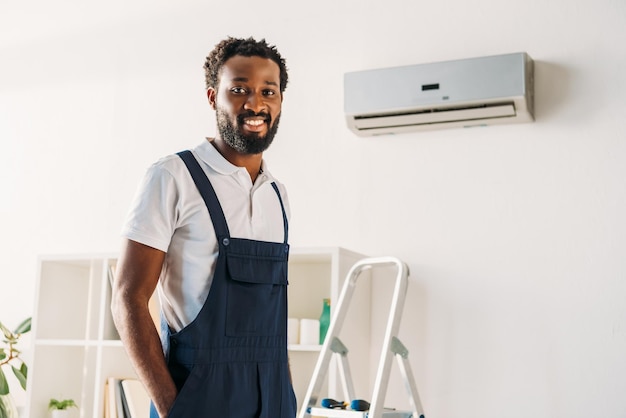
[{"x": 346, "y": 413}]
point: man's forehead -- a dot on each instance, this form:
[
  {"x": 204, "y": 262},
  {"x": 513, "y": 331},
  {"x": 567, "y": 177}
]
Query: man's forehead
[{"x": 239, "y": 66}]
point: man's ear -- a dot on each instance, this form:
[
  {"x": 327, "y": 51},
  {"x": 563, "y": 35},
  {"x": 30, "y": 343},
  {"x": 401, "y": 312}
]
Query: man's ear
[{"x": 211, "y": 95}]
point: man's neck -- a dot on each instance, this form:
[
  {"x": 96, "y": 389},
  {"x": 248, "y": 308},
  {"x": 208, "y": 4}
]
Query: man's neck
[{"x": 251, "y": 162}]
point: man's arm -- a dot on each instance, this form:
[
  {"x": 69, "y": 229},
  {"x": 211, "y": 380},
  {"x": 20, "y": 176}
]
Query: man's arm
[{"x": 137, "y": 274}]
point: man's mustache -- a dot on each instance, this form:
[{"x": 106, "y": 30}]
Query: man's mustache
[{"x": 251, "y": 113}]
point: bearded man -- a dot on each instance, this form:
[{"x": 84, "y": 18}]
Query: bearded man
[{"x": 208, "y": 230}]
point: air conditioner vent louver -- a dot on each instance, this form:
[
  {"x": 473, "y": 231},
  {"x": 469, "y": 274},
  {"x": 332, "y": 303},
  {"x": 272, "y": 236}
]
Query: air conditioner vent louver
[
  {"x": 478, "y": 91},
  {"x": 427, "y": 111},
  {"x": 434, "y": 116}
]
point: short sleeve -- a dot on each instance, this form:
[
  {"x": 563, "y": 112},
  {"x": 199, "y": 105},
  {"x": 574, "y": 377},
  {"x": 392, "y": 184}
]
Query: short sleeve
[{"x": 153, "y": 213}]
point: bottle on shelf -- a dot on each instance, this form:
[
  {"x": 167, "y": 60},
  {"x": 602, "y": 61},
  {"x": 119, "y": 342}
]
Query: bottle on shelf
[{"x": 324, "y": 320}]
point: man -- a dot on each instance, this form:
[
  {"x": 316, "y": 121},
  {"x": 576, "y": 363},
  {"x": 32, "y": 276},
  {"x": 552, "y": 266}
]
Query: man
[{"x": 208, "y": 230}]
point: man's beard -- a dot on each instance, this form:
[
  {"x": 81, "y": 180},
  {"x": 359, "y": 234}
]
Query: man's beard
[{"x": 252, "y": 143}]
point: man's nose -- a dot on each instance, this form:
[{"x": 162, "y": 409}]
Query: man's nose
[{"x": 255, "y": 103}]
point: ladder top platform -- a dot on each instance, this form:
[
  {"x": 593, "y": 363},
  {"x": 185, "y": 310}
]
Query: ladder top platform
[{"x": 346, "y": 413}]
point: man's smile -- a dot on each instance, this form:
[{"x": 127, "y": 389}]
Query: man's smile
[{"x": 254, "y": 123}]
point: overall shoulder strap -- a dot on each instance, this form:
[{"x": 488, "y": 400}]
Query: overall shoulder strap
[
  {"x": 282, "y": 206},
  {"x": 207, "y": 192}
]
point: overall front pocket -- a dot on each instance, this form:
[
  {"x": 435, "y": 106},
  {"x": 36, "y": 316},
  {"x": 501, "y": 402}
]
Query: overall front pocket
[{"x": 257, "y": 296}]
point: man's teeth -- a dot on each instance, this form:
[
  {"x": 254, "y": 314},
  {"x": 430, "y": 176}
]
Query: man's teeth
[{"x": 255, "y": 122}]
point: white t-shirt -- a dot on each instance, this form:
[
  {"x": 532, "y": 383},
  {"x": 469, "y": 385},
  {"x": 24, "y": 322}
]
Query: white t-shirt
[{"x": 169, "y": 214}]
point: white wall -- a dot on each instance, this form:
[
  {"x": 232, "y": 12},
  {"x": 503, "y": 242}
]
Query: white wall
[{"x": 515, "y": 234}]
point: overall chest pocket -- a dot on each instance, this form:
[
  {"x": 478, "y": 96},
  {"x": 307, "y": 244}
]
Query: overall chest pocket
[{"x": 257, "y": 296}]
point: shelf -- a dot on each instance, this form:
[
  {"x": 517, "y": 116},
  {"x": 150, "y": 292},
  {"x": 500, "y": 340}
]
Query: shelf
[
  {"x": 66, "y": 343},
  {"x": 299, "y": 347}
]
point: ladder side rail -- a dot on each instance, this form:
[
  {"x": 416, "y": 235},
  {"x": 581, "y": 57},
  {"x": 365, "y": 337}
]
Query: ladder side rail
[
  {"x": 393, "y": 324},
  {"x": 317, "y": 380},
  {"x": 336, "y": 322},
  {"x": 411, "y": 386},
  {"x": 346, "y": 377},
  {"x": 339, "y": 348},
  {"x": 402, "y": 354}
]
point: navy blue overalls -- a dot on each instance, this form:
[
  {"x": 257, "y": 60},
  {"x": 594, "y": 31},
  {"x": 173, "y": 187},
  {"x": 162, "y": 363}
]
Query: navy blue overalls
[{"x": 231, "y": 360}]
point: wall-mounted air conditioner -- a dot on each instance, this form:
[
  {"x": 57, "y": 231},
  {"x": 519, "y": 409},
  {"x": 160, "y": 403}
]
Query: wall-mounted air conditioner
[{"x": 463, "y": 93}]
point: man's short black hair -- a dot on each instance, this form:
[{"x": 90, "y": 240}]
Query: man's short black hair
[{"x": 230, "y": 47}]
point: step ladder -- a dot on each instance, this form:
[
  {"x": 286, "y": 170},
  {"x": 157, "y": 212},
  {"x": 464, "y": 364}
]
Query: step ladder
[{"x": 392, "y": 347}]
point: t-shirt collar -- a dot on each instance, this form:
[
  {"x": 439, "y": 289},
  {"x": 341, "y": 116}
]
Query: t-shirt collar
[{"x": 210, "y": 155}]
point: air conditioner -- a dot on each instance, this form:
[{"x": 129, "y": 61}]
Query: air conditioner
[{"x": 462, "y": 93}]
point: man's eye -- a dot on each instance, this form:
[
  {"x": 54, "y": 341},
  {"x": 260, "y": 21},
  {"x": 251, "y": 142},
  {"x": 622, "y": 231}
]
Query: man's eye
[
  {"x": 238, "y": 90},
  {"x": 269, "y": 92}
]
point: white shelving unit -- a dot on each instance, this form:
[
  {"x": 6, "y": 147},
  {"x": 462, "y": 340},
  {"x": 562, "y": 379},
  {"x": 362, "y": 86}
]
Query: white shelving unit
[{"x": 76, "y": 347}]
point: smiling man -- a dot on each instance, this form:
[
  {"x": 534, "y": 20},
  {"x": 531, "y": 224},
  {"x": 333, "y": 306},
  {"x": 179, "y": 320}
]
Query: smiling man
[
  {"x": 252, "y": 131},
  {"x": 208, "y": 230}
]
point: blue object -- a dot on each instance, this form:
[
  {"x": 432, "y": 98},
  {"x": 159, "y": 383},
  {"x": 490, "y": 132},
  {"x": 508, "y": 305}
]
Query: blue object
[
  {"x": 333, "y": 404},
  {"x": 359, "y": 405}
]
